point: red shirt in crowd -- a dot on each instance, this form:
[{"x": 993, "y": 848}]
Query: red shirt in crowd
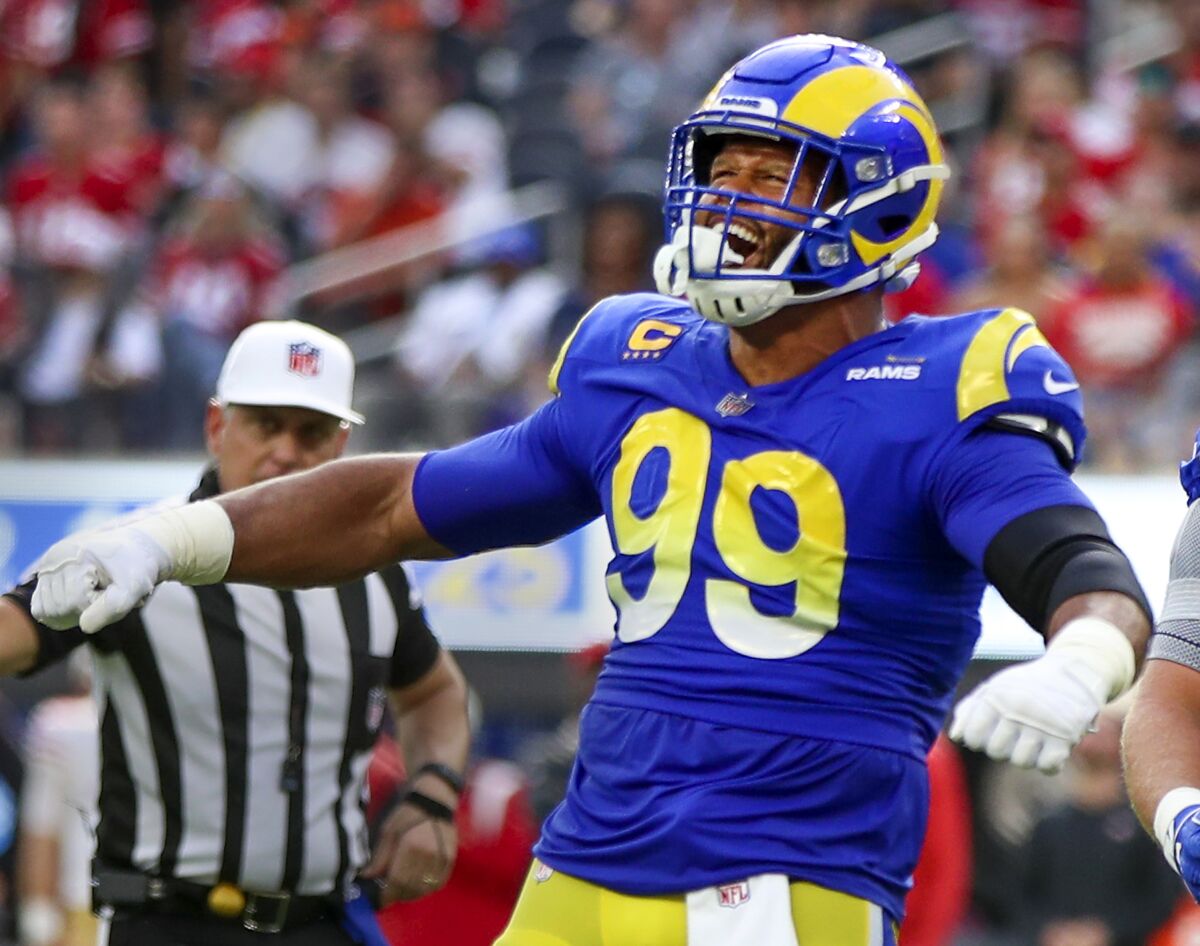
[
  {"x": 942, "y": 881},
  {"x": 141, "y": 167},
  {"x": 219, "y": 293},
  {"x": 72, "y": 219},
  {"x": 1116, "y": 339},
  {"x": 54, "y": 33}
]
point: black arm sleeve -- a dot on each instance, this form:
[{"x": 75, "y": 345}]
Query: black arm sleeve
[
  {"x": 52, "y": 645},
  {"x": 1044, "y": 557},
  {"x": 416, "y": 648}
]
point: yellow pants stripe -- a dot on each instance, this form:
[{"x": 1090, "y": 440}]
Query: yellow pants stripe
[{"x": 560, "y": 910}]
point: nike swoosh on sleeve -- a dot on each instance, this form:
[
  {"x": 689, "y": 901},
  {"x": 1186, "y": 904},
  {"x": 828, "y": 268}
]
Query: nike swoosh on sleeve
[{"x": 1054, "y": 386}]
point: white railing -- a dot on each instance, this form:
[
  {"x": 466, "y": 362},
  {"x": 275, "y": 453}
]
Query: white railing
[{"x": 337, "y": 271}]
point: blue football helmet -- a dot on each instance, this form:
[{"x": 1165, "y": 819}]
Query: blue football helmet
[{"x": 870, "y": 144}]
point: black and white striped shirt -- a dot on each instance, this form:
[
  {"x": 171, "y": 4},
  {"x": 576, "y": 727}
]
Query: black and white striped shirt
[{"x": 237, "y": 724}]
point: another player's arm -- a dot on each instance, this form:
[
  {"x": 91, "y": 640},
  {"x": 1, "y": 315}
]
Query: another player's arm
[{"x": 1161, "y": 739}]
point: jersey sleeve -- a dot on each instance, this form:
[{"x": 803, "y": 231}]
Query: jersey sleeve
[
  {"x": 1177, "y": 634},
  {"x": 987, "y": 479},
  {"x": 522, "y": 485},
  {"x": 1010, "y": 377}
]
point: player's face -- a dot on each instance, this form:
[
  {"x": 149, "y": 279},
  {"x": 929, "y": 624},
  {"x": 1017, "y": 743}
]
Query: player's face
[
  {"x": 760, "y": 168},
  {"x": 254, "y": 444}
]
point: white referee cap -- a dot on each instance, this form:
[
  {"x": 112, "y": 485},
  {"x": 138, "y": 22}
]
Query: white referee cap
[{"x": 289, "y": 364}]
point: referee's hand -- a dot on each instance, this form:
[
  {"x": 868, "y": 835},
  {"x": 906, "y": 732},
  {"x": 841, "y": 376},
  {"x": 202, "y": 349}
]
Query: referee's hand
[{"x": 414, "y": 855}]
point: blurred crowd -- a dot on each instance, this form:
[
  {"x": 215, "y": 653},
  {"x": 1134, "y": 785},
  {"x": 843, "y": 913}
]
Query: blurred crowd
[{"x": 451, "y": 183}]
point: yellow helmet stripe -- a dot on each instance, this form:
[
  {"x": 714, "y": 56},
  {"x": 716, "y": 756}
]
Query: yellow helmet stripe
[
  {"x": 832, "y": 102},
  {"x": 870, "y": 251}
]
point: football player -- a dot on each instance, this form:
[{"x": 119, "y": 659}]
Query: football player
[
  {"x": 805, "y": 507},
  {"x": 1162, "y": 732}
]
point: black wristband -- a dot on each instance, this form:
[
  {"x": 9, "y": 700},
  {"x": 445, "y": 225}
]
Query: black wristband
[
  {"x": 445, "y": 773},
  {"x": 432, "y": 807}
]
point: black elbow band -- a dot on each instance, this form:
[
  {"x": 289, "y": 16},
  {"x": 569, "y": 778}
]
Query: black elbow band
[{"x": 1044, "y": 557}]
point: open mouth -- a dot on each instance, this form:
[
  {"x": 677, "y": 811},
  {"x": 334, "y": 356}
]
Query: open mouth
[{"x": 743, "y": 241}]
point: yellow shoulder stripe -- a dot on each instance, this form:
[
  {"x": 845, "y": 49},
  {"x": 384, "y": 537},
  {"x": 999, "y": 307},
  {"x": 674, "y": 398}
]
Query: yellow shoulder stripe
[
  {"x": 556, "y": 368},
  {"x": 983, "y": 374}
]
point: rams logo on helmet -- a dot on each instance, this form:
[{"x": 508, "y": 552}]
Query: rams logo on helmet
[{"x": 856, "y": 119}]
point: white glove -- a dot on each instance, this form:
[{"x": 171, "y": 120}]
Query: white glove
[
  {"x": 96, "y": 578},
  {"x": 1033, "y": 714}
]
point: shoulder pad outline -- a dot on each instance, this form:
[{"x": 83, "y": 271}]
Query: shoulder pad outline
[{"x": 991, "y": 356}]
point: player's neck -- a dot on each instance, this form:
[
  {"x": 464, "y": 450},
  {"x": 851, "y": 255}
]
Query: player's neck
[{"x": 795, "y": 340}]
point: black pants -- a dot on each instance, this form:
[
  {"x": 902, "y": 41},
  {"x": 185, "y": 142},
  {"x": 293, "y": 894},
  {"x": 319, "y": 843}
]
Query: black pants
[{"x": 163, "y": 929}]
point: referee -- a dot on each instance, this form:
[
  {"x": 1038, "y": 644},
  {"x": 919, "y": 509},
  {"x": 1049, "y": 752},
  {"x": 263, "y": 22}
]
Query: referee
[{"x": 236, "y": 722}]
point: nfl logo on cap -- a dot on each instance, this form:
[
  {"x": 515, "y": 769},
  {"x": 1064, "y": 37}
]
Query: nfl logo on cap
[
  {"x": 304, "y": 359},
  {"x": 289, "y": 364}
]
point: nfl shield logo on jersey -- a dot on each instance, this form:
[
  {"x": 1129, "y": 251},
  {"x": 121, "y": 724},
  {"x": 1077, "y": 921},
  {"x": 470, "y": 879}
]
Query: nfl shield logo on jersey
[
  {"x": 304, "y": 359},
  {"x": 734, "y": 405},
  {"x": 733, "y": 895},
  {"x": 376, "y": 704}
]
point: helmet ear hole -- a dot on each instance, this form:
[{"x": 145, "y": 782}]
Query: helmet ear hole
[{"x": 893, "y": 224}]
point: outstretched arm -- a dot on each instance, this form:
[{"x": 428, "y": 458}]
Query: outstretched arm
[
  {"x": 328, "y": 525},
  {"x": 321, "y": 527},
  {"x": 517, "y": 486}
]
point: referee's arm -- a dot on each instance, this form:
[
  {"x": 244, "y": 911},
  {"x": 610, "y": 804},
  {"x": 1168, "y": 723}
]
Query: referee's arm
[
  {"x": 19, "y": 641},
  {"x": 431, "y": 718},
  {"x": 417, "y": 847}
]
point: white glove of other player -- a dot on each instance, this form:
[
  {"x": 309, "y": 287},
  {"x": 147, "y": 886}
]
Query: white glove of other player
[
  {"x": 1033, "y": 714},
  {"x": 95, "y": 578}
]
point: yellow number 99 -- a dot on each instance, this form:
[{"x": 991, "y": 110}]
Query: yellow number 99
[
  {"x": 815, "y": 562},
  {"x": 671, "y": 528}
]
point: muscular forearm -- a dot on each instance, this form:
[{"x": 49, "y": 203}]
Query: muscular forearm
[
  {"x": 1117, "y": 609},
  {"x": 328, "y": 525},
  {"x": 1162, "y": 736}
]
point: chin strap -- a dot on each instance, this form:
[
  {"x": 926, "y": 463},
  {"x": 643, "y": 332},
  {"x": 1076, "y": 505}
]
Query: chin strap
[
  {"x": 739, "y": 301},
  {"x": 903, "y": 279}
]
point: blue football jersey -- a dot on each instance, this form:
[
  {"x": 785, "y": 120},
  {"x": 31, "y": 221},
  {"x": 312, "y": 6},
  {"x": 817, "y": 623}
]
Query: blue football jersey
[{"x": 797, "y": 576}]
